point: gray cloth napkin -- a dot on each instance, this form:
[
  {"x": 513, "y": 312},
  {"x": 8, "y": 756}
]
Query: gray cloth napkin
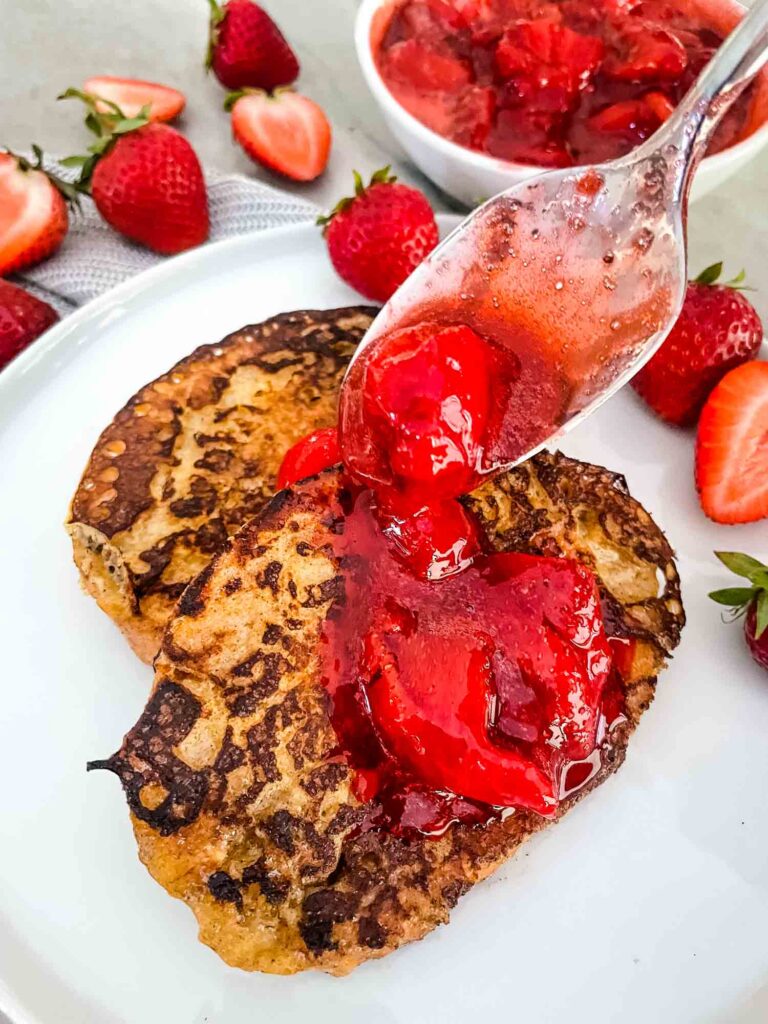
[{"x": 95, "y": 258}]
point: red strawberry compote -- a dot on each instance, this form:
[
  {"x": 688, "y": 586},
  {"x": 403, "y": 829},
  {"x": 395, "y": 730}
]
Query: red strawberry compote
[
  {"x": 462, "y": 681},
  {"x": 552, "y": 84}
]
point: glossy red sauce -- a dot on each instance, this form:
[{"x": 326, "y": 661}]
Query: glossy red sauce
[
  {"x": 462, "y": 681},
  {"x": 453, "y": 700},
  {"x": 552, "y": 84},
  {"x": 309, "y": 456}
]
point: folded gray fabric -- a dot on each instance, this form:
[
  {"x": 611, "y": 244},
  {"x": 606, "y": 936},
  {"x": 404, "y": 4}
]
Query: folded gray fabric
[{"x": 95, "y": 258}]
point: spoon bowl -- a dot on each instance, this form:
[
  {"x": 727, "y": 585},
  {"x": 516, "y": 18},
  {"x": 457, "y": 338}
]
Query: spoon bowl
[{"x": 581, "y": 272}]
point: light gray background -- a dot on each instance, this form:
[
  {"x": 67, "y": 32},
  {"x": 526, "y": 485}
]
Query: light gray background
[{"x": 46, "y": 45}]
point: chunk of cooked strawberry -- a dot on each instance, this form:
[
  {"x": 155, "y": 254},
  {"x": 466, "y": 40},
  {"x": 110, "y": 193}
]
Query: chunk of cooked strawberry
[
  {"x": 646, "y": 53},
  {"x": 635, "y": 119},
  {"x": 309, "y": 456},
  {"x": 660, "y": 104},
  {"x": 461, "y": 13},
  {"x": 525, "y": 136},
  {"x": 548, "y": 53},
  {"x": 472, "y": 116},
  {"x": 436, "y": 541},
  {"x": 425, "y": 69},
  {"x": 420, "y": 418}
]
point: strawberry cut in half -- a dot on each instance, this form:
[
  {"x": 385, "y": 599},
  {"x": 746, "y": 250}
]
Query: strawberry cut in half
[
  {"x": 162, "y": 103},
  {"x": 732, "y": 447},
  {"x": 33, "y": 211},
  {"x": 286, "y": 132}
]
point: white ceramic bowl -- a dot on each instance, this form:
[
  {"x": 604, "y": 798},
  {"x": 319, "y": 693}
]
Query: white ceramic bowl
[{"x": 471, "y": 177}]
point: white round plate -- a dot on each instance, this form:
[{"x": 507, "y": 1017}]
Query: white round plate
[{"x": 648, "y": 903}]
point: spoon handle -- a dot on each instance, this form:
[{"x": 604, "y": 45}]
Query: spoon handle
[{"x": 721, "y": 82}]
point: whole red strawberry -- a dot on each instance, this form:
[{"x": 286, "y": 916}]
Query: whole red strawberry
[
  {"x": 717, "y": 329},
  {"x": 247, "y": 49},
  {"x": 22, "y": 319},
  {"x": 377, "y": 238},
  {"x": 751, "y": 601},
  {"x": 145, "y": 179}
]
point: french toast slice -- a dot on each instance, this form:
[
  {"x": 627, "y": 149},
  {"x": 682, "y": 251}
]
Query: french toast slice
[
  {"x": 195, "y": 454},
  {"x": 238, "y": 804}
]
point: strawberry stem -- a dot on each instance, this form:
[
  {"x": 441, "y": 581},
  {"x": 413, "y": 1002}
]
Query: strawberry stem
[
  {"x": 217, "y": 16},
  {"x": 741, "y": 599},
  {"x": 712, "y": 274},
  {"x": 380, "y": 177},
  {"x": 108, "y": 125}
]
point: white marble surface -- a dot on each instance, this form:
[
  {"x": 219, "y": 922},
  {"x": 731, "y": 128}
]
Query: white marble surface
[{"x": 46, "y": 45}]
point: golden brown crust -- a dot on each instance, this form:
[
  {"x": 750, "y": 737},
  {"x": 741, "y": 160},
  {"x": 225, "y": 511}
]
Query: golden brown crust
[
  {"x": 195, "y": 454},
  {"x": 240, "y": 808}
]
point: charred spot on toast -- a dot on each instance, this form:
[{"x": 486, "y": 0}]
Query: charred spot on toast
[
  {"x": 194, "y": 455},
  {"x": 309, "y": 888},
  {"x": 161, "y": 789}
]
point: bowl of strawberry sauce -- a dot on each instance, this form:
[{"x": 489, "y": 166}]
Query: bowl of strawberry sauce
[{"x": 483, "y": 94}]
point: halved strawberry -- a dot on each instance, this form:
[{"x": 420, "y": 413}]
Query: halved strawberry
[
  {"x": 285, "y": 131},
  {"x": 425, "y": 69},
  {"x": 132, "y": 95},
  {"x": 732, "y": 447},
  {"x": 33, "y": 211},
  {"x": 646, "y": 52},
  {"x": 472, "y": 116}
]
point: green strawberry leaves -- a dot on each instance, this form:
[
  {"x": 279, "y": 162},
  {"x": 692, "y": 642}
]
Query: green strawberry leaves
[
  {"x": 734, "y": 597},
  {"x": 380, "y": 177},
  {"x": 107, "y": 122},
  {"x": 761, "y": 623},
  {"x": 741, "y": 599},
  {"x": 711, "y": 275}
]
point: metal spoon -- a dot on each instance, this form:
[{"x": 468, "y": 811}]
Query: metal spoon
[{"x": 589, "y": 263}]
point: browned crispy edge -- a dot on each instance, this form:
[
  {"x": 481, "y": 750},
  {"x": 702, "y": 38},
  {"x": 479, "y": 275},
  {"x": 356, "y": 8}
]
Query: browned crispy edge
[{"x": 114, "y": 490}]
